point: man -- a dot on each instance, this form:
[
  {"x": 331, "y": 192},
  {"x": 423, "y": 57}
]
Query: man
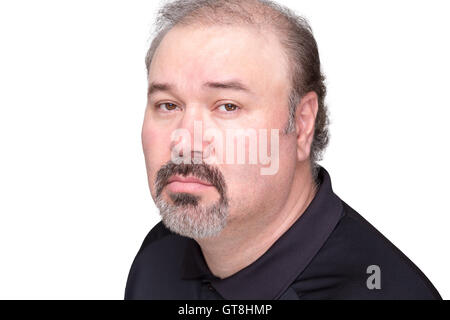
[{"x": 223, "y": 77}]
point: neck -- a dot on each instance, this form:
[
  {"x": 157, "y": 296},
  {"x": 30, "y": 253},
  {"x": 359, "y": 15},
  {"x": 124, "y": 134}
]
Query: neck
[{"x": 241, "y": 244}]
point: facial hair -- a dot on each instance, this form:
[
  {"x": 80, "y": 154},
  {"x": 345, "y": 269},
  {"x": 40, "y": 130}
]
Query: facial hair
[{"x": 186, "y": 216}]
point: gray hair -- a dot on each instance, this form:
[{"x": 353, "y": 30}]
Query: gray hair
[{"x": 294, "y": 34}]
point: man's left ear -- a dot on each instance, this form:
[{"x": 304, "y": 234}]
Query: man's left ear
[{"x": 305, "y": 119}]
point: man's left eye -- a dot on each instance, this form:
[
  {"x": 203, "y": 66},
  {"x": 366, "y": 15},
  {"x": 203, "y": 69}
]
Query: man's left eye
[{"x": 228, "y": 107}]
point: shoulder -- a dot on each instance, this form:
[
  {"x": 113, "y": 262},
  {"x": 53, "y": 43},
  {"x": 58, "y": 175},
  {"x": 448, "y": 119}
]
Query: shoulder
[
  {"x": 156, "y": 263},
  {"x": 157, "y": 233},
  {"x": 366, "y": 265},
  {"x": 160, "y": 242}
]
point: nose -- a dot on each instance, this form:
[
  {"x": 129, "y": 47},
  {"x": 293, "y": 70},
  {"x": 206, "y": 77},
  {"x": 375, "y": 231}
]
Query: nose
[{"x": 191, "y": 126}]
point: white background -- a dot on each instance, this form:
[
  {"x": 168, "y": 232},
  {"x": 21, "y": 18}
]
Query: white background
[{"x": 74, "y": 203}]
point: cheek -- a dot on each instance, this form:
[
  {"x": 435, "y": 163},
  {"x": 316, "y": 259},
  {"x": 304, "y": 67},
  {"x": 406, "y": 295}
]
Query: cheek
[
  {"x": 156, "y": 152},
  {"x": 156, "y": 146},
  {"x": 248, "y": 193},
  {"x": 251, "y": 192},
  {"x": 148, "y": 136},
  {"x": 153, "y": 138}
]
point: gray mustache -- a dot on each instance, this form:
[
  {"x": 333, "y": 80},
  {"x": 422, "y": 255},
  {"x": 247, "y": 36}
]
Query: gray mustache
[{"x": 201, "y": 171}]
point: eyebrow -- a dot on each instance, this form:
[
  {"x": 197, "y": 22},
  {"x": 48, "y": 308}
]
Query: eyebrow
[{"x": 235, "y": 85}]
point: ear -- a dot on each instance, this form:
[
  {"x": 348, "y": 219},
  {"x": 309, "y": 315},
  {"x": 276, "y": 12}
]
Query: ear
[{"x": 305, "y": 119}]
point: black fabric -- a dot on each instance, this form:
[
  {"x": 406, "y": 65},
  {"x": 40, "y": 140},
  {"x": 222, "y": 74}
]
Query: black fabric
[{"x": 323, "y": 255}]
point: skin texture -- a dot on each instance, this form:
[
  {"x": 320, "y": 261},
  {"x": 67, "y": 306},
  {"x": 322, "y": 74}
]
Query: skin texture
[{"x": 261, "y": 207}]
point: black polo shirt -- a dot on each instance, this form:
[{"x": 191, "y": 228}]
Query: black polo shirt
[{"x": 330, "y": 252}]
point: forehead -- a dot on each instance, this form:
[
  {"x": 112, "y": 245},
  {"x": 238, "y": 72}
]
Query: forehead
[{"x": 189, "y": 56}]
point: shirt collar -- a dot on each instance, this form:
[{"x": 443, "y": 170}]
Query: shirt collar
[{"x": 272, "y": 273}]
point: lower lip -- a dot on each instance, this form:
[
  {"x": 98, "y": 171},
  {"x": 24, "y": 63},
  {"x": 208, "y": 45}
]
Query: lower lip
[{"x": 178, "y": 186}]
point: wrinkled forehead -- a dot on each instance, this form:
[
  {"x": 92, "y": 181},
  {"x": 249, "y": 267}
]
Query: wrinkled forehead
[{"x": 190, "y": 55}]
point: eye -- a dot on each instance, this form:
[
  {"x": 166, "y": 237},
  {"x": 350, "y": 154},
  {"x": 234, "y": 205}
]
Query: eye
[
  {"x": 229, "y": 107},
  {"x": 166, "y": 106}
]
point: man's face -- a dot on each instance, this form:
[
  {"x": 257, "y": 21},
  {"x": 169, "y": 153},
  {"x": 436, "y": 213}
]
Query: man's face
[{"x": 233, "y": 194}]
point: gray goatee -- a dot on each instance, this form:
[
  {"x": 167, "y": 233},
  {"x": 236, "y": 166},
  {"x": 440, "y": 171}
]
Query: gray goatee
[{"x": 185, "y": 215}]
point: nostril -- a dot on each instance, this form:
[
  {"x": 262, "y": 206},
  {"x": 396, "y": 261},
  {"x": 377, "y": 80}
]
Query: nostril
[{"x": 197, "y": 157}]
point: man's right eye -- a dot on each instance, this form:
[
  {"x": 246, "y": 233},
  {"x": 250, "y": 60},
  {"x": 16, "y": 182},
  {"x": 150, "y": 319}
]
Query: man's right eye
[{"x": 166, "y": 106}]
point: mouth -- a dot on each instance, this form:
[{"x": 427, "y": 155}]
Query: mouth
[{"x": 187, "y": 184}]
